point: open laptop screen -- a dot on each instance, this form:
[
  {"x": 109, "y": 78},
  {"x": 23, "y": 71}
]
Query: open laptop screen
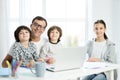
[{"x": 68, "y": 58}]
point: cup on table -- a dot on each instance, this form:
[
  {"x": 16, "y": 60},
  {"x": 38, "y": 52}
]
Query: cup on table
[
  {"x": 40, "y": 68},
  {"x": 15, "y": 65}
]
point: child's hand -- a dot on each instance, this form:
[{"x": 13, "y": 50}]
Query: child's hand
[
  {"x": 41, "y": 60},
  {"x": 50, "y": 60},
  {"x": 19, "y": 62},
  {"x": 94, "y": 60},
  {"x": 30, "y": 64}
]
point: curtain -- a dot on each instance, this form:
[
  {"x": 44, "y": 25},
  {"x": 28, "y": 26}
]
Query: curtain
[{"x": 3, "y": 29}]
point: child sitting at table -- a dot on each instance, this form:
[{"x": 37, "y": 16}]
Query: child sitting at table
[
  {"x": 23, "y": 49},
  {"x": 48, "y": 50}
]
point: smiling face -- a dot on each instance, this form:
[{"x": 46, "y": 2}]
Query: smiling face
[
  {"x": 99, "y": 29},
  {"x": 54, "y": 35},
  {"x": 24, "y": 35},
  {"x": 38, "y": 27}
]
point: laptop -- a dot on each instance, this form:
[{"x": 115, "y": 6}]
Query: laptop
[{"x": 68, "y": 59}]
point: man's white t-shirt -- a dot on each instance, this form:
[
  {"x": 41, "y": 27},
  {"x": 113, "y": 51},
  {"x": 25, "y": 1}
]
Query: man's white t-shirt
[{"x": 40, "y": 43}]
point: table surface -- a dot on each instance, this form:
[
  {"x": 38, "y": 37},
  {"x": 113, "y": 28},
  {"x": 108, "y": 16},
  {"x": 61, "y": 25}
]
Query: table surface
[{"x": 62, "y": 75}]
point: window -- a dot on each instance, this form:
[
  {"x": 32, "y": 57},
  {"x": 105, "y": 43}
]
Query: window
[{"x": 68, "y": 14}]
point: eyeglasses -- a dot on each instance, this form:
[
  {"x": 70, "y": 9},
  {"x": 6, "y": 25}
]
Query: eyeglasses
[{"x": 38, "y": 25}]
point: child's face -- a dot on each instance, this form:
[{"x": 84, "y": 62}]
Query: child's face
[
  {"x": 54, "y": 35},
  {"x": 24, "y": 35}
]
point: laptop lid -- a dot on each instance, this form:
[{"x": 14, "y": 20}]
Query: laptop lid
[{"x": 68, "y": 58}]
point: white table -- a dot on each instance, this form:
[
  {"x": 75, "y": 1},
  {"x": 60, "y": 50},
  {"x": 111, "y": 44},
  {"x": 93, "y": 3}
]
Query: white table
[{"x": 64, "y": 75}]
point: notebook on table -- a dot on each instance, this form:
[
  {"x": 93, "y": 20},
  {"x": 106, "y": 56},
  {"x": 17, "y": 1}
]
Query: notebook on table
[
  {"x": 68, "y": 59},
  {"x": 5, "y": 72}
]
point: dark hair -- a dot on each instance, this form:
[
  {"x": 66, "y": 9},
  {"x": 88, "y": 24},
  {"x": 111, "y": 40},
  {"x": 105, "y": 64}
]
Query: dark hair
[
  {"x": 16, "y": 33},
  {"x": 102, "y": 22},
  {"x": 40, "y": 18},
  {"x": 52, "y": 28}
]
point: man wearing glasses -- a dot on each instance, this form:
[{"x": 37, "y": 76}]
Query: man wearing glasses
[{"x": 37, "y": 28}]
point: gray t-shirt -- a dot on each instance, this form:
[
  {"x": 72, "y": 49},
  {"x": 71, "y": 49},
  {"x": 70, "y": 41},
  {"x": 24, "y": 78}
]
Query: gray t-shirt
[{"x": 49, "y": 49}]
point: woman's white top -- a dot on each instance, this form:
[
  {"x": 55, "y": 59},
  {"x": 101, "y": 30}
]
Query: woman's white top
[{"x": 99, "y": 49}]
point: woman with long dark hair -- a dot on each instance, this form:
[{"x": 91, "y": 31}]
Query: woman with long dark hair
[{"x": 100, "y": 50}]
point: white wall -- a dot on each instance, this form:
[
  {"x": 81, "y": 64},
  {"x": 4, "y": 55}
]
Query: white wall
[
  {"x": 116, "y": 24},
  {"x": 116, "y": 28},
  {"x": 100, "y": 9},
  {"x": 3, "y": 29}
]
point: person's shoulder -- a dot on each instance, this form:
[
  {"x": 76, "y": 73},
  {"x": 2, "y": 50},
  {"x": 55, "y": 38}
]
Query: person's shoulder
[
  {"x": 47, "y": 44},
  {"x": 110, "y": 43},
  {"x": 59, "y": 43},
  {"x": 31, "y": 43},
  {"x": 16, "y": 44},
  {"x": 90, "y": 42},
  {"x": 43, "y": 39}
]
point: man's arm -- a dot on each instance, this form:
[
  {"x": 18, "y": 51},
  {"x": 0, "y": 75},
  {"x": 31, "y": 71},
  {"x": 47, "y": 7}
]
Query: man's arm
[{"x": 9, "y": 58}]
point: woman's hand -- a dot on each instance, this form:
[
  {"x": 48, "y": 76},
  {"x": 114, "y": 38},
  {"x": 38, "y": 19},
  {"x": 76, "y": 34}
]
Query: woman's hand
[{"x": 94, "y": 60}]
